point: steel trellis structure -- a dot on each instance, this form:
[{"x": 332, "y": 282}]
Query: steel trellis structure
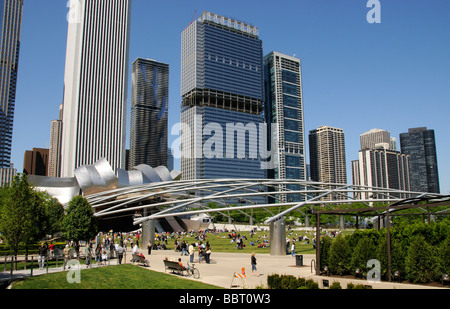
[{"x": 191, "y": 197}]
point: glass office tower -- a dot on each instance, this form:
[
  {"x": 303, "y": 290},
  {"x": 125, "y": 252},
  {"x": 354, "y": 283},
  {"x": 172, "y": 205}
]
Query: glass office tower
[
  {"x": 149, "y": 113},
  {"x": 222, "y": 98},
  {"x": 11, "y": 23},
  {"x": 420, "y": 145},
  {"x": 284, "y": 109}
]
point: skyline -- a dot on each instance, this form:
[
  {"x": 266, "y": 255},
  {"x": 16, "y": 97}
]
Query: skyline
[{"x": 393, "y": 71}]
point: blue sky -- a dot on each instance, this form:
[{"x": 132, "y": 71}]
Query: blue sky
[{"x": 357, "y": 76}]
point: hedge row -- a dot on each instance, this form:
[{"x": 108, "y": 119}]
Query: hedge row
[
  {"x": 419, "y": 252},
  {"x": 289, "y": 282}
]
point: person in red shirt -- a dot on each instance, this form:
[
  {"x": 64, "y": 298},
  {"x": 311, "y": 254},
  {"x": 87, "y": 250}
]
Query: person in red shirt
[{"x": 51, "y": 247}]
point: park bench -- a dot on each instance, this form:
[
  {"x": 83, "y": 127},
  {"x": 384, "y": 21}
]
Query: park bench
[
  {"x": 173, "y": 266},
  {"x": 140, "y": 260}
]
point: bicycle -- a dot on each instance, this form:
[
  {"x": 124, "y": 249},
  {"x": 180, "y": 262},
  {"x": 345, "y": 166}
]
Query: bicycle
[{"x": 192, "y": 271}]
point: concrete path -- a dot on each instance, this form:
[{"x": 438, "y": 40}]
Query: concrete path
[{"x": 223, "y": 266}]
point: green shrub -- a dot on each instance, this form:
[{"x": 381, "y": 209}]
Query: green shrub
[
  {"x": 443, "y": 257},
  {"x": 311, "y": 285},
  {"x": 274, "y": 282},
  {"x": 340, "y": 256},
  {"x": 420, "y": 263},
  {"x": 325, "y": 245},
  {"x": 364, "y": 251},
  {"x": 289, "y": 282},
  {"x": 397, "y": 257},
  {"x": 352, "y": 286},
  {"x": 335, "y": 286}
]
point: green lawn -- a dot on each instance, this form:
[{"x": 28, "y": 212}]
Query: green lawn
[
  {"x": 221, "y": 242},
  {"x": 124, "y": 276}
]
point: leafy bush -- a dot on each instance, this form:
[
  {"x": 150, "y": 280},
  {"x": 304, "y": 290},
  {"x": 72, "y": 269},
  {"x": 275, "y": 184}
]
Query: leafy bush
[
  {"x": 289, "y": 282},
  {"x": 325, "y": 245},
  {"x": 364, "y": 251},
  {"x": 340, "y": 256},
  {"x": 420, "y": 263},
  {"x": 352, "y": 286},
  {"x": 397, "y": 257},
  {"x": 443, "y": 257},
  {"x": 274, "y": 282},
  {"x": 311, "y": 284},
  {"x": 336, "y": 285}
]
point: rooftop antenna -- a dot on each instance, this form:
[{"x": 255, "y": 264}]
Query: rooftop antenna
[{"x": 193, "y": 19}]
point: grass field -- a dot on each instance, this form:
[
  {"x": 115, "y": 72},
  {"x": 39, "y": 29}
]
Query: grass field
[
  {"x": 123, "y": 276},
  {"x": 222, "y": 243}
]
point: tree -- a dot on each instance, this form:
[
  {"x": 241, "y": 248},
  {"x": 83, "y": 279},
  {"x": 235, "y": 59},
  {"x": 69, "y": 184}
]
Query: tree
[
  {"x": 420, "y": 263},
  {"x": 54, "y": 212},
  {"x": 340, "y": 256},
  {"x": 397, "y": 257},
  {"x": 364, "y": 251},
  {"x": 79, "y": 222},
  {"x": 325, "y": 245},
  {"x": 21, "y": 214}
]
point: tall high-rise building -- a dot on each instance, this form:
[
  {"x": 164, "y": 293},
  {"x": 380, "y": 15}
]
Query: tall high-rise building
[
  {"x": 54, "y": 155},
  {"x": 420, "y": 145},
  {"x": 376, "y": 138},
  {"x": 284, "y": 109},
  {"x": 327, "y": 156},
  {"x": 35, "y": 162},
  {"x": 96, "y": 80},
  {"x": 11, "y": 24},
  {"x": 7, "y": 175},
  {"x": 381, "y": 168},
  {"x": 149, "y": 113},
  {"x": 222, "y": 99}
]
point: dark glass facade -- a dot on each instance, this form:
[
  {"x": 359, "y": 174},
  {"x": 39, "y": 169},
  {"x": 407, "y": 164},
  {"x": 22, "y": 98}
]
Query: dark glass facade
[
  {"x": 149, "y": 113},
  {"x": 221, "y": 84},
  {"x": 10, "y": 22},
  {"x": 420, "y": 145},
  {"x": 284, "y": 110}
]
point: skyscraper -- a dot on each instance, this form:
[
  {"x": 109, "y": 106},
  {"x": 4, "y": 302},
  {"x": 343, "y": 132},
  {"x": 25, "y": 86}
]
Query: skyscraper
[
  {"x": 327, "y": 155},
  {"x": 149, "y": 113},
  {"x": 378, "y": 137},
  {"x": 381, "y": 168},
  {"x": 35, "y": 162},
  {"x": 11, "y": 23},
  {"x": 284, "y": 108},
  {"x": 222, "y": 99},
  {"x": 420, "y": 145},
  {"x": 94, "y": 123},
  {"x": 54, "y": 156}
]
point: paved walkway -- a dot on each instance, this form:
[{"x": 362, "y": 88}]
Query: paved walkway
[{"x": 221, "y": 270}]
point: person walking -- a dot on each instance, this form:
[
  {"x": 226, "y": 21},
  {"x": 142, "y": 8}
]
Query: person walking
[
  {"x": 66, "y": 253},
  {"x": 184, "y": 248},
  {"x": 42, "y": 255},
  {"x": 120, "y": 251},
  {"x": 253, "y": 263},
  {"x": 191, "y": 253},
  {"x": 149, "y": 247},
  {"x": 88, "y": 254},
  {"x": 293, "y": 248}
]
